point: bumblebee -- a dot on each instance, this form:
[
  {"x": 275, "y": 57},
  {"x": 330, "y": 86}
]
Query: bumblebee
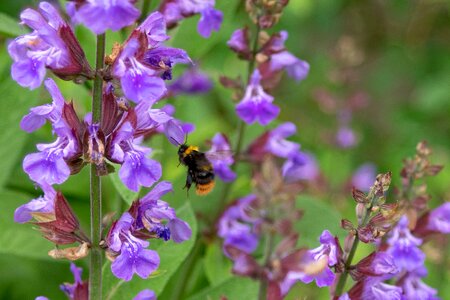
[{"x": 200, "y": 170}]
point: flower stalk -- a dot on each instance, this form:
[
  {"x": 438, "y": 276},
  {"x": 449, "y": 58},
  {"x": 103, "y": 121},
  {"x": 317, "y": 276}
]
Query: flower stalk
[
  {"x": 95, "y": 273},
  {"x": 343, "y": 277},
  {"x": 242, "y": 124}
]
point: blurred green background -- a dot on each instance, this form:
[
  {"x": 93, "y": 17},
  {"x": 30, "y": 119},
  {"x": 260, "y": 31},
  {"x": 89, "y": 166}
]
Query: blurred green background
[{"x": 389, "y": 61}]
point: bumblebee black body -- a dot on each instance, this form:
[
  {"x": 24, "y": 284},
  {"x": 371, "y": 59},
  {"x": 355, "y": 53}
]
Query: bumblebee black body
[{"x": 200, "y": 170}]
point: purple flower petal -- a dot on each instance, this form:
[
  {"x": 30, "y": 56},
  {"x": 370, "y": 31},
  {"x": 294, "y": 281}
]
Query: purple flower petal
[
  {"x": 43, "y": 204},
  {"x": 134, "y": 259},
  {"x": 137, "y": 170},
  {"x": 101, "y": 15},
  {"x": 46, "y": 168},
  {"x": 180, "y": 230},
  {"x": 210, "y": 20},
  {"x": 439, "y": 219},
  {"x": 145, "y": 295}
]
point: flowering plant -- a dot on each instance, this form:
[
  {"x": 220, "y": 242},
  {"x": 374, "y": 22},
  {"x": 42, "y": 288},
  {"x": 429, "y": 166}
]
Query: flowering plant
[{"x": 173, "y": 150}]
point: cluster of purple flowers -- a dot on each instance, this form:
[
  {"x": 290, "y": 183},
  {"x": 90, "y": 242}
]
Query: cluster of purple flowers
[
  {"x": 256, "y": 105},
  {"x": 134, "y": 77},
  {"x": 148, "y": 217},
  {"x": 79, "y": 289}
]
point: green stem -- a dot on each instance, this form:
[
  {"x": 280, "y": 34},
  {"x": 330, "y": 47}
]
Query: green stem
[
  {"x": 348, "y": 262},
  {"x": 95, "y": 272},
  {"x": 242, "y": 125},
  {"x": 145, "y": 10},
  {"x": 262, "y": 293}
]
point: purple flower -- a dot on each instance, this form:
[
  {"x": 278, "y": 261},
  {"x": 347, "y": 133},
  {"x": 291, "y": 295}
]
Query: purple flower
[
  {"x": 145, "y": 295},
  {"x": 52, "y": 112},
  {"x": 49, "y": 165},
  {"x": 176, "y": 10},
  {"x": 77, "y": 290},
  {"x": 277, "y": 143},
  {"x": 137, "y": 169},
  {"x": 159, "y": 218},
  {"x": 50, "y": 45},
  {"x": 239, "y": 42},
  {"x": 327, "y": 251},
  {"x": 210, "y": 21},
  {"x": 378, "y": 264},
  {"x": 345, "y": 137},
  {"x": 439, "y": 219},
  {"x": 101, "y": 15},
  {"x": 193, "y": 81},
  {"x": 139, "y": 82},
  {"x": 374, "y": 289},
  {"x": 236, "y": 227},
  {"x": 144, "y": 63},
  {"x": 256, "y": 104},
  {"x": 414, "y": 288},
  {"x": 132, "y": 257},
  {"x": 300, "y": 166},
  {"x": 284, "y": 60},
  {"x": 41, "y": 298},
  {"x": 221, "y": 158},
  {"x": 404, "y": 247},
  {"x": 364, "y": 177},
  {"x": 42, "y": 204}
]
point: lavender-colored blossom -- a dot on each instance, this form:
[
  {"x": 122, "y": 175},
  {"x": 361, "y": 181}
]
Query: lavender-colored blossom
[
  {"x": 42, "y": 204},
  {"x": 137, "y": 169},
  {"x": 439, "y": 219},
  {"x": 144, "y": 63},
  {"x": 101, "y": 15},
  {"x": 345, "y": 137},
  {"x": 193, "y": 81},
  {"x": 50, "y": 45},
  {"x": 257, "y": 104},
  {"x": 329, "y": 251},
  {"x": 210, "y": 20},
  {"x": 364, "y": 177},
  {"x": 238, "y": 41},
  {"x": 237, "y": 228},
  {"x": 133, "y": 257},
  {"x": 404, "y": 247},
  {"x": 176, "y": 10},
  {"x": 284, "y": 60},
  {"x": 277, "y": 143},
  {"x": 221, "y": 157},
  {"x": 49, "y": 166},
  {"x": 41, "y": 298},
  {"x": 145, "y": 295},
  {"x": 414, "y": 288},
  {"x": 70, "y": 289},
  {"x": 374, "y": 289},
  {"x": 158, "y": 217},
  {"x": 139, "y": 83},
  {"x": 52, "y": 112},
  {"x": 300, "y": 166}
]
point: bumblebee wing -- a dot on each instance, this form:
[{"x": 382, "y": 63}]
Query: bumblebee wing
[{"x": 219, "y": 155}]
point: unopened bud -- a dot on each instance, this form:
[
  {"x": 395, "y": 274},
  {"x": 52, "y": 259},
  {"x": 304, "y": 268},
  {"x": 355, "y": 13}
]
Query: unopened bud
[{"x": 360, "y": 210}]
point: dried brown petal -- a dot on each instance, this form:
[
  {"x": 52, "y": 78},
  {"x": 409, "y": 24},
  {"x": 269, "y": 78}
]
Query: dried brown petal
[{"x": 71, "y": 253}]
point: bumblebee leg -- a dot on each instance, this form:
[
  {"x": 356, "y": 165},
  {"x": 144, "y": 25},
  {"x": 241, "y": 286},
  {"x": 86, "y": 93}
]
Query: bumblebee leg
[{"x": 189, "y": 181}]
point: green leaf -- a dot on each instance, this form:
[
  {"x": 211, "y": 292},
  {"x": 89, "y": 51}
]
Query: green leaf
[
  {"x": 217, "y": 265},
  {"x": 235, "y": 288},
  {"x": 19, "y": 239},
  {"x": 127, "y": 195},
  {"x": 9, "y": 26},
  {"x": 15, "y": 104},
  {"x": 317, "y": 216},
  {"x": 171, "y": 255}
]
